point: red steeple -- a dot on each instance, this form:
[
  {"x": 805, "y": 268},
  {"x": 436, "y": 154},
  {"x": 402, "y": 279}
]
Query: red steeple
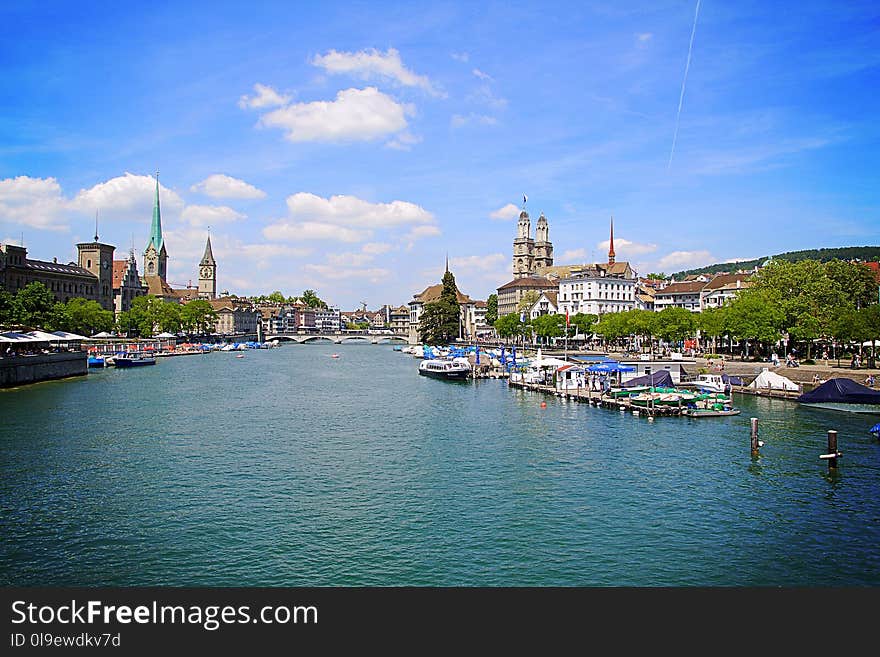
[{"x": 611, "y": 244}]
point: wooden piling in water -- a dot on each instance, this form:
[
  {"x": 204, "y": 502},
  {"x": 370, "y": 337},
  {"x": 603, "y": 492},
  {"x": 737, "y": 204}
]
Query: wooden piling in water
[
  {"x": 754, "y": 435},
  {"x": 832, "y": 454}
]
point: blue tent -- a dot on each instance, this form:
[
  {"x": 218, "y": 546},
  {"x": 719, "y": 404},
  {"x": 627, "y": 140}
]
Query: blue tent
[{"x": 661, "y": 379}]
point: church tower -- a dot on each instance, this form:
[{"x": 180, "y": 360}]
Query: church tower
[
  {"x": 97, "y": 258},
  {"x": 523, "y": 247},
  {"x": 208, "y": 274},
  {"x": 611, "y": 244},
  {"x": 155, "y": 255},
  {"x": 543, "y": 245}
]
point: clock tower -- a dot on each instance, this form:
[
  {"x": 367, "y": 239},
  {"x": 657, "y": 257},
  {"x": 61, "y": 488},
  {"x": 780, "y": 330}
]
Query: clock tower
[
  {"x": 97, "y": 259},
  {"x": 208, "y": 274}
]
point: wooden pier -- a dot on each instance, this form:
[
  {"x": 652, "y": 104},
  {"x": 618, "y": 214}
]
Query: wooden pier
[{"x": 595, "y": 398}]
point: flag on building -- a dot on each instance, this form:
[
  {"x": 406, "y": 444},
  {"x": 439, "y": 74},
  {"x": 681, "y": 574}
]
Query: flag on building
[{"x": 566, "y": 317}]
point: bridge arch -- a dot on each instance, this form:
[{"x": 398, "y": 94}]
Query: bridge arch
[
  {"x": 355, "y": 338},
  {"x": 317, "y": 338}
]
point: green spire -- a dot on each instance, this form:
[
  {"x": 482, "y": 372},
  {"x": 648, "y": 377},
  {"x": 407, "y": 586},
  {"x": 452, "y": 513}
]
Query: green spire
[{"x": 156, "y": 230}]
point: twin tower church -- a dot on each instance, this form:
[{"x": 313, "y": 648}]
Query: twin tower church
[{"x": 155, "y": 277}]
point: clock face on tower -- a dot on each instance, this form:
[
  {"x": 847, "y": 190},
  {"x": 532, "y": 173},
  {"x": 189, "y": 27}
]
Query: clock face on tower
[{"x": 206, "y": 272}]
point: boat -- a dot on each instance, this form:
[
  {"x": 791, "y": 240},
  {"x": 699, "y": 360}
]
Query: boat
[
  {"x": 440, "y": 368},
  {"x": 843, "y": 395},
  {"x": 708, "y": 383},
  {"x": 134, "y": 360},
  {"x": 711, "y": 412},
  {"x": 239, "y": 355},
  {"x": 97, "y": 361},
  {"x": 334, "y": 355}
]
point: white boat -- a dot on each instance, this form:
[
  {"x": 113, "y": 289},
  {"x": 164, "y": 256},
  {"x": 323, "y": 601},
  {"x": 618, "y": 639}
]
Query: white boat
[
  {"x": 441, "y": 368},
  {"x": 708, "y": 383}
]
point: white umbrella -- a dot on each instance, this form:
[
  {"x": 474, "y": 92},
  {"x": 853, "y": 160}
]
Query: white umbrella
[
  {"x": 102, "y": 334},
  {"x": 166, "y": 335}
]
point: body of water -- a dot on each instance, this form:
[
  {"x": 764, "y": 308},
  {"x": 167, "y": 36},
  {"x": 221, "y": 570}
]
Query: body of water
[{"x": 290, "y": 468}]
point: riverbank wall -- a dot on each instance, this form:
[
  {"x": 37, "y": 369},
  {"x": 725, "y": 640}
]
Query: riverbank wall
[{"x": 23, "y": 370}]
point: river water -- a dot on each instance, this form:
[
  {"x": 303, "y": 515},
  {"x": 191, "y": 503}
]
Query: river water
[{"x": 291, "y": 468}]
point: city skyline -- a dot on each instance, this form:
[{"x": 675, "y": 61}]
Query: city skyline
[{"x": 348, "y": 148}]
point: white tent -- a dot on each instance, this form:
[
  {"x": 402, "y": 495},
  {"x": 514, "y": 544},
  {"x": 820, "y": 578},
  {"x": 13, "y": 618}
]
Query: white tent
[
  {"x": 102, "y": 334},
  {"x": 166, "y": 335},
  {"x": 65, "y": 336},
  {"x": 43, "y": 336},
  {"x": 768, "y": 380},
  {"x": 18, "y": 338}
]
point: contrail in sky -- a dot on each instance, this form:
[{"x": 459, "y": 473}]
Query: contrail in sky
[{"x": 683, "y": 83}]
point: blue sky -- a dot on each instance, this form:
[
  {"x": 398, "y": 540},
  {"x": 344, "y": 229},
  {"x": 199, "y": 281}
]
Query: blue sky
[{"x": 348, "y": 147}]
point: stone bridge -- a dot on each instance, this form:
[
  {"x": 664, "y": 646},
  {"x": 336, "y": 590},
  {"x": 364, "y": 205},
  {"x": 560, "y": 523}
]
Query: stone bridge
[{"x": 338, "y": 338}]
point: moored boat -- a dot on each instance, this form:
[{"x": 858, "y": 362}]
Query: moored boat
[
  {"x": 97, "y": 361},
  {"x": 134, "y": 360},
  {"x": 454, "y": 369},
  {"x": 843, "y": 395}
]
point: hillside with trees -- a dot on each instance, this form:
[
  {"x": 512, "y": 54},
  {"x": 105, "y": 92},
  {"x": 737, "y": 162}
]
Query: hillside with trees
[{"x": 864, "y": 253}]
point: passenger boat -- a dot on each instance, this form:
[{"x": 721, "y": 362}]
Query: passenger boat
[
  {"x": 843, "y": 395},
  {"x": 134, "y": 360},
  {"x": 454, "y": 369},
  {"x": 97, "y": 361}
]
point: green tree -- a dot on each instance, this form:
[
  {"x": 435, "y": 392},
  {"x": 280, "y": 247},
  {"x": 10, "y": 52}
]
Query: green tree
[
  {"x": 34, "y": 306},
  {"x": 657, "y": 277},
  {"x": 581, "y": 323},
  {"x": 168, "y": 318},
  {"x": 7, "y": 308},
  {"x": 86, "y": 317},
  {"x": 675, "y": 324},
  {"x": 492, "y": 309},
  {"x": 611, "y": 326},
  {"x": 198, "y": 316},
  {"x": 527, "y": 300},
  {"x": 756, "y": 314},
  {"x": 643, "y": 323},
  {"x": 312, "y": 300},
  {"x": 548, "y": 326},
  {"x": 712, "y": 323},
  {"x": 509, "y": 326},
  {"x": 440, "y": 322},
  {"x": 276, "y": 297}
]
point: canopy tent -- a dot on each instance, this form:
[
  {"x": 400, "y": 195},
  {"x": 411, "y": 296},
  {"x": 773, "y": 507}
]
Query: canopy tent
[
  {"x": 102, "y": 334},
  {"x": 44, "y": 337},
  {"x": 166, "y": 335},
  {"x": 610, "y": 366},
  {"x": 548, "y": 362},
  {"x": 843, "y": 391},
  {"x": 70, "y": 337},
  {"x": 768, "y": 380},
  {"x": 15, "y": 337},
  {"x": 661, "y": 379}
]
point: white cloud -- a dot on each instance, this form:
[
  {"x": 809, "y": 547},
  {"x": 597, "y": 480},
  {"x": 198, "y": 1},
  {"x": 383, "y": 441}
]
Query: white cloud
[
  {"x": 685, "y": 260},
  {"x": 481, "y": 75},
  {"x": 312, "y": 230},
  {"x": 478, "y": 263},
  {"x": 509, "y": 211},
  {"x": 460, "y": 56},
  {"x": 353, "y": 211},
  {"x": 644, "y": 37},
  {"x": 129, "y": 197},
  {"x": 376, "y": 248},
  {"x": 623, "y": 247},
  {"x": 349, "y": 259},
  {"x": 355, "y": 115},
  {"x": 371, "y": 64},
  {"x": 404, "y": 141},
  {"x": 266, "y": 97},
  {"x": 485, "y": 96},
  {"x": 219, "y": 185},
  {"x": 422, "y": 231},
  {"x": 574, "y": 255},
  {"x": 35, "y": 202},
  {"x": 334, "y": 273},
  {"x": 459, "y": 120},
  {"x": 210, "y": 215}
]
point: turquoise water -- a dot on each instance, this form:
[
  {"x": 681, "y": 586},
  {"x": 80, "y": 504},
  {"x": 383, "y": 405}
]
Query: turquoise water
[{"x": 288, "y": 467}]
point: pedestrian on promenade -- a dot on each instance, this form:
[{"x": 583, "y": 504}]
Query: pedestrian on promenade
[
  {"x": 870, "y": 381},
  {"x": 775, "y": 359}
]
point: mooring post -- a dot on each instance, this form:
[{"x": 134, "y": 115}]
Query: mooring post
[
  {"x": 832, "y": 455},
  {"x": 754, "y": 435}
]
